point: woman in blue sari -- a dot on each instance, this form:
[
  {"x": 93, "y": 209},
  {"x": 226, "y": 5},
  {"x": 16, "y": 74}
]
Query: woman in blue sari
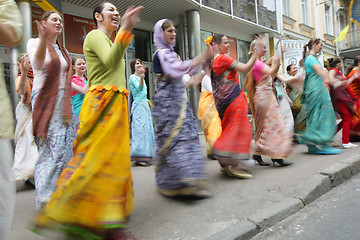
[
  {"x": 142, "y": 131},
  {"x": 320, "y": 116}
]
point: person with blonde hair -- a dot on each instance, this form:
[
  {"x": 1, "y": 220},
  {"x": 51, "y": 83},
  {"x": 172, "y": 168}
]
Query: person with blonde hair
[{"x": 272, "y": 137}]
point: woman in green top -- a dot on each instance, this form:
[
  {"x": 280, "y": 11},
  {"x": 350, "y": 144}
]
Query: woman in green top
[
  {"x": 95, "y": 192},
  {"x": 320, "y": 115}
]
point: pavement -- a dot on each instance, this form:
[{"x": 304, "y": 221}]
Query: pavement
[{"x": 239, "y": 209}]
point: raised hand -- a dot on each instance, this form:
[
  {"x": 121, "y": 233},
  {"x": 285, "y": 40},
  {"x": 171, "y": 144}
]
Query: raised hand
[
  {"x": 24, "y": 65},
  {"x": 131, "y": 18},
  {"x": 43, "y": 33}
]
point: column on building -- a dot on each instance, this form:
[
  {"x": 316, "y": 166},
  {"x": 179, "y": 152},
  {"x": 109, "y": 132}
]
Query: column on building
[{"x": 194, "y": 45}]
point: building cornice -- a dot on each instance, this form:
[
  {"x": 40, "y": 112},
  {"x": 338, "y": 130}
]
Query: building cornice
[
  {"x": 306, "y": 27},
  {"x": 289, "y": 20}
]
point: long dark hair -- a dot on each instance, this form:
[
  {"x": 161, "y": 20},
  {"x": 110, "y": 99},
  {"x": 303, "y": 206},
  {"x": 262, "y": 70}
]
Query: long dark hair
[
  {"x": 334, "y": 61},
  {"x": 132, "y": 64},
  {"x": 217, "y": 38},
  {"x": 309, "y": 46},
  {"x": 355, "y": 64}
]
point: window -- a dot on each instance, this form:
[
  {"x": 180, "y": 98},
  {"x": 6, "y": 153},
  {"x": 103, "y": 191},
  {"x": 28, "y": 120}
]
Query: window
[
  {"x": 286, "y": 8},
  {"x": 303, "y": 8},
  {"x": 328, "y": 20}
]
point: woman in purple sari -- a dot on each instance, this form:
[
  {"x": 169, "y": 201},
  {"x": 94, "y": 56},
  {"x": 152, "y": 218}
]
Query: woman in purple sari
[{"x": 180, "y": 169}]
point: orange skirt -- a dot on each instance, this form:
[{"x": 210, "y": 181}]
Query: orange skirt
[{"x": 234, "y": 141}]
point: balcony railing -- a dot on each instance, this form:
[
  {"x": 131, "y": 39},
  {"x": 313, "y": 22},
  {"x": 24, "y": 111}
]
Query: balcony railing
[
  {"x": 352, "y": 40},
  {"x": 260, "y": 12}
]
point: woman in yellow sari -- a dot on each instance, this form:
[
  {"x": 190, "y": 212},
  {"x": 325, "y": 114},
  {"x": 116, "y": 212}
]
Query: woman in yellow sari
[
  {"x": 208, "y": 114},
  {"x": 95, "y": 194}
]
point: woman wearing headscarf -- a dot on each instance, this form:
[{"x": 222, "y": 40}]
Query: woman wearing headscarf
[
  {"x": 95, "y": 193},
  {"x": 53, "y": 117},
  {"x": 180, "y": 169}
]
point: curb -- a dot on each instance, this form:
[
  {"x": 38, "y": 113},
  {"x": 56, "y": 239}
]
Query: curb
[{"x": 312, "y": 189}]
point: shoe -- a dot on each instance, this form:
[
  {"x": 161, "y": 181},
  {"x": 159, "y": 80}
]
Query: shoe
[
  {"x": 259, "y": 160},
  {"x": 312, "y": 149},
  {"x": 120, "y": 234},
  {"x": 211, "y": 156},
  {"x": 329, "y": 150},
  {"x": 143, "y": 164},
  {"x": 236, "y": 172},
  {"x": 349, "y": 145},
  {"x": 281, "y": 162}
]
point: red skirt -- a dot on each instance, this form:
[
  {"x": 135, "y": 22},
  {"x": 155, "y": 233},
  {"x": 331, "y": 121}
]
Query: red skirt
[{"x": 234, "y": 141}]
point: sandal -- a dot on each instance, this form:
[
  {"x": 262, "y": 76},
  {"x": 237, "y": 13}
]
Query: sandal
[
  {"x": 142, "y": 164},
  {"x": 236, "y": 172}
]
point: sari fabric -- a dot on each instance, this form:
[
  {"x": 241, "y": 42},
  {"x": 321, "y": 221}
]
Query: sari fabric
[
  {"x": 272, "y": 136},
  {"x": 210, "y": 120},
  {"x": 88, "y": 184},
  {"x": 320, "y": 115},
  {"x": 231, "y": 103},
  {"x": 355, "y": 91},
  {"x": 180, "y": 168},
  {"x": 298, "y": 108}
]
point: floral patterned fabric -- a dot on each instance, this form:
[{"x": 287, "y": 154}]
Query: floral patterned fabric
[{"x": 55, "y": 153}]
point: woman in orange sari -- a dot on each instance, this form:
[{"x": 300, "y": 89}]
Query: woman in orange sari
[
  {"x": 355, "y": 92},
  {"x": 233, "y": 145}
]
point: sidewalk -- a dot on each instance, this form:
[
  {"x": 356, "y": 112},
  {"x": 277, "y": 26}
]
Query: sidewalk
[{"x": 265, "y": 199}]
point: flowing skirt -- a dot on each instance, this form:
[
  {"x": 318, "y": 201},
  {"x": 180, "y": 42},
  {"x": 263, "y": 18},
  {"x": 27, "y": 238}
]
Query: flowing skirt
[
  {"x": 95, "y": 191},
  {"x": 55, "y": 153},
  {"x": 142, "y": 132},
  {"x": 210, "y": 119},
  {"x": 286, "y": 113},
  {"x": 182, "y": 167},
  {"x": 298, "y": 111},
  {"x": 77, "y": 101},
  {"x": 234, "y": 141},
  {"x": 320, "y": 115},
  {"x": 26, "y": 152},
  {"x": 272, "y": 136}
]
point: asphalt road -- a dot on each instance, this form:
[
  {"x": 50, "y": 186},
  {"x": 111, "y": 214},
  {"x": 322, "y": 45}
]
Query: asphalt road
[{"x": 334, "y": 216}]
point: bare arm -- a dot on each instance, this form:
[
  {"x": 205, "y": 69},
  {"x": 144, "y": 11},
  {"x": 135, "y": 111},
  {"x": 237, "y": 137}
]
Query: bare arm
[
  {"x": 8, "y": 36},
  {"x": 82, "y": 90},
  {"x": 323, "y": 72},
  {"x": 244, "y": 68},
  {"x": 275, "y": 64},
  {"x": 291, "y": 79}
]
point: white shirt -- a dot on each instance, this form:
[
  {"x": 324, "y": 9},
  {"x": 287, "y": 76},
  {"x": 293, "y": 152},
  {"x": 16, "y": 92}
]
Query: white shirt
[
  {"x": 40, "y": 71},
  {"x": 206, "y": 84}
]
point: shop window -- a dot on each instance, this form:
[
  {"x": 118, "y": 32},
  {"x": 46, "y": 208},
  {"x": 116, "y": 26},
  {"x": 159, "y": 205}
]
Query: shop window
[{"x": 140, "y": 46}]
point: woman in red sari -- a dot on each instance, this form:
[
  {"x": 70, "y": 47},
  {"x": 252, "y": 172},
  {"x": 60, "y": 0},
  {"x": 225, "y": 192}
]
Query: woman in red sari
[
  {"x": 234, "y": 142},
  {"x": 355, "y": 89}
]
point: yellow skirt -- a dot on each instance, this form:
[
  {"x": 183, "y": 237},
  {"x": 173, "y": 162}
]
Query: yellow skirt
[
  {"x": 210, "y": 119},
  {"x": 95, "y": 191}
]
